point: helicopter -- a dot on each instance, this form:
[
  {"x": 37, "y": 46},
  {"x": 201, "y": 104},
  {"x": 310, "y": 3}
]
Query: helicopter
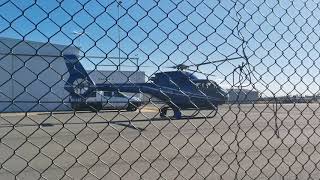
[{"x": 179, "y": 90}]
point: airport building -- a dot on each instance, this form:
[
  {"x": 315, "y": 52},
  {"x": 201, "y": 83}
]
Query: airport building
[
  {"x": 36, "y": 83},
  {"x": 242, "y": 95}
]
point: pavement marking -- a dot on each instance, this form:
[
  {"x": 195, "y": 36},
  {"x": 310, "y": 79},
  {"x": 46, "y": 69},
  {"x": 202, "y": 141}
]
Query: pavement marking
[{"x": 149, "y": 109}]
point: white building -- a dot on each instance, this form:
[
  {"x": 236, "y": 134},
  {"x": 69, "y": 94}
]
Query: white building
[
  {"x": 242, "y": 95},
  {"x": 36, "y": 83},
  {"x": 101, "y": 77}
]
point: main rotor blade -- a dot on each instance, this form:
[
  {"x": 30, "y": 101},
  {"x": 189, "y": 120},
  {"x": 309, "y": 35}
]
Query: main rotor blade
[
  {"x": 183, "y": 66},
  {"x": 180, "y": 66},
  {"x": 217, "y": 61},
  {"x": 206, "y": 74}
]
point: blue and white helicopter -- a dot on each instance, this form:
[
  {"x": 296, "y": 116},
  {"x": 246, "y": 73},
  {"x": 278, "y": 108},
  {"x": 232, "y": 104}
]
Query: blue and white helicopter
[{"x": 179, "y": 90}]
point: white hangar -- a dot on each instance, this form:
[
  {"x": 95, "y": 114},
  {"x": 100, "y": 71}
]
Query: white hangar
[
  {"x": 242, "y": 95},
  {"x": 36, "y": 83}
]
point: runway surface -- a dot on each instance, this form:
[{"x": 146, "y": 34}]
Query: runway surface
[{"x": 240, "y": 142}]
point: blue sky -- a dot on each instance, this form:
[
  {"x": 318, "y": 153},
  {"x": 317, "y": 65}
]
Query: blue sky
[{"x": 282, "y": 36}]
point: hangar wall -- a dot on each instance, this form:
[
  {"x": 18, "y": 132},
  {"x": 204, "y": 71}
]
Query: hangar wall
[
  {"x": 36, "y": 83},
  {"x": 36, "y": 80}
]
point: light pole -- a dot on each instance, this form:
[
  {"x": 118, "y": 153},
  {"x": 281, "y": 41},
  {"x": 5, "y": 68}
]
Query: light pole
[
  {"x": 118, "y": 22},
  {"x": 137, "y": 58}
]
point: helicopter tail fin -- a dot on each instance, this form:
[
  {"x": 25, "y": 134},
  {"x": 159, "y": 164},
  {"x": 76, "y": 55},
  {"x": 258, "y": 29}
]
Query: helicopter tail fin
[{"x": 79, "y": 81}]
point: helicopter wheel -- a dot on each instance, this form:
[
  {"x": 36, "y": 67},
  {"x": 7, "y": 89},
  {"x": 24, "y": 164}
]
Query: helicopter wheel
[
  {"x": 177, "y": 114},
  {"x": 163, "y": 112}
]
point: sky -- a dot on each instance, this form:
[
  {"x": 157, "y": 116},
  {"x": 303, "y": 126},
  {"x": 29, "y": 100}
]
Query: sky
[{"x": 280, "y": 38}]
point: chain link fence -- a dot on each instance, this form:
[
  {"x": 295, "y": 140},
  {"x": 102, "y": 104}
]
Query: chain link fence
[{"x": 159, "y": 89}]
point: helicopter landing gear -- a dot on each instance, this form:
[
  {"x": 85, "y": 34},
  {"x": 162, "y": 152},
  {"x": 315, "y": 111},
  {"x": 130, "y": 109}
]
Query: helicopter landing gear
[
  {"x": 177, "y": 114},
  {"x": 163, "y": 112}
]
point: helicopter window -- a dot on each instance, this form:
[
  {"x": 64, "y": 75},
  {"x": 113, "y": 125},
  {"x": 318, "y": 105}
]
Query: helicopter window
[
  {"x": 202, "y": 85},
  {"x": 207, "y": 84},
  {"x": 214, "y": 84},
  {"x": 107, "y": 93}
]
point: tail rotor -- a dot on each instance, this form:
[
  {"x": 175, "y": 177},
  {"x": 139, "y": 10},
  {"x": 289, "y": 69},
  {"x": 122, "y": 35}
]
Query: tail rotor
[{"x": 79, "y": 82}]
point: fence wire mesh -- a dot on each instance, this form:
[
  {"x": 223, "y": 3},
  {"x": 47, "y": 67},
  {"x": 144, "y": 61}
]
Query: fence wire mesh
[{"x": 159, "y": 89}]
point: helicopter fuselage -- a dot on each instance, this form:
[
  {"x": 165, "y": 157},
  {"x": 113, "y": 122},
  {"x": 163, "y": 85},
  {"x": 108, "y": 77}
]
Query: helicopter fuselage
[
  {"x": 178, "y": 89},
  {"x": 176, "y": 98}
]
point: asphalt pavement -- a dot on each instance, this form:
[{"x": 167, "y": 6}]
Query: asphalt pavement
[{"x": 249, "y": 141}]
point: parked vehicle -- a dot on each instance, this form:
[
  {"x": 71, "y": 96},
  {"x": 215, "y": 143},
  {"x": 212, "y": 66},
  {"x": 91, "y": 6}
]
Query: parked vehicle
[{"x": 101, "y": 100}]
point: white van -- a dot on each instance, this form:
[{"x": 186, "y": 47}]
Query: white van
[{"x": 100, "y": 100}]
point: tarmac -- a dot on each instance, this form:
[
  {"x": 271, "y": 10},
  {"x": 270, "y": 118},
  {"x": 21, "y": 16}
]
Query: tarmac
[{"x": 248, "y": 141}]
